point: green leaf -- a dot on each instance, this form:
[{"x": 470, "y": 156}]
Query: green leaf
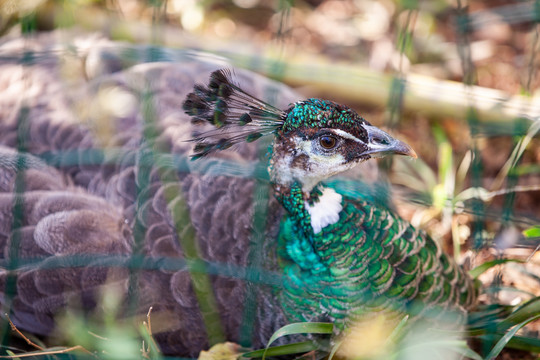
[
  {"x": 419, "y": 175},
  {"x": 399, "y": 327},
  {"x": 477, "y": 271},
  {"x": 409, "y": 4},
  {"x": 517, "y": 342},
  {"x": 334, "y": 350},
  {"x": 300, "y": 328},
  {"x": 525, "y": 169},
  {"x": 532, "y": 232},
  {"x": 288, "y": 349},
  {"x": 467, "y": 352},
  {"x": 439, "y": 196},
  {"x": 525, "y": 343},
  {"x": 507, "y": 337},
  {"x": 527, "y": 311},
  {"x": 446, "y": 168}
]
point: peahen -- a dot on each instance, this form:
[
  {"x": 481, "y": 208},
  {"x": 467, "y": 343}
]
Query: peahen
[
  {"x": 86, "y": 210},
  {"x": 343, "y": 258}
]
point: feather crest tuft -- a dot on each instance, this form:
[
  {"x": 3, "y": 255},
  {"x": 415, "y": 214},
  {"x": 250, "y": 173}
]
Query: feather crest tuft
[{"x": 236, "y": 115}]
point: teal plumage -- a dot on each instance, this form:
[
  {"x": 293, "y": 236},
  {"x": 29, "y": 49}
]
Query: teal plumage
[
  {"x": 319, "y": 113},
  {"x": 369, "y": 260},
  {"x": 342, "y": 257}
]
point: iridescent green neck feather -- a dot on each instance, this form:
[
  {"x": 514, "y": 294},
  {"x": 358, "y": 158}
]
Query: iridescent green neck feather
[{"x": 368, "y": 261}]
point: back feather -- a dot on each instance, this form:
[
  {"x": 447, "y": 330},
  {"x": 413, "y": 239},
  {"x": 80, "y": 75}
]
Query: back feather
[{"x": 236, "y": 115}]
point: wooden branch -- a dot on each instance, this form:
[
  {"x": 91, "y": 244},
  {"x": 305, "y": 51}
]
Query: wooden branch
[{"x": 428, "y": 95}]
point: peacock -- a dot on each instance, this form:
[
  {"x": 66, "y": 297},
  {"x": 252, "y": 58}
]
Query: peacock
[{"x": 167, "y": 208}]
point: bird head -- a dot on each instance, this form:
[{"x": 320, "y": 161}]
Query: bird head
[
  {"x": 320, "y": 138},
  {"x": 314, "y": 138}
]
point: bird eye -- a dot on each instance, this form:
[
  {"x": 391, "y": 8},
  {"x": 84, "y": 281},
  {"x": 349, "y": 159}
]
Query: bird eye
[{"x": 328, "y": 142}]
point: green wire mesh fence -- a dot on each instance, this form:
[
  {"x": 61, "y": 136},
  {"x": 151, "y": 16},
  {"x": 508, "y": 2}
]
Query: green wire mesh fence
[{"x": 148, "y": 155}]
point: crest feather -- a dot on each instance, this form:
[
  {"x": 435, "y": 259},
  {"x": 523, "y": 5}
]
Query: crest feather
[{"x": 236, "y": 115}]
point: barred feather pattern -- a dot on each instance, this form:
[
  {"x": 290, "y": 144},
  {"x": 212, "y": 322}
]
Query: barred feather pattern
[
  {"x": 99, "y": 196},
  {"x": 236, "y": 116},
  {"x": 371, "y": 261}
]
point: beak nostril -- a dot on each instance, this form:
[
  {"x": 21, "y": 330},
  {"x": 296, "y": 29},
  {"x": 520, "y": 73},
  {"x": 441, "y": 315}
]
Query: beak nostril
[
  {"x": 380, "y": 141},
  {"x": 384, "y": 144}
]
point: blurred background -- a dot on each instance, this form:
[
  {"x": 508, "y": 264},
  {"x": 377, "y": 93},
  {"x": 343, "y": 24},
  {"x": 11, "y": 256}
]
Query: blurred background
[{"x": 458, "y": 80}]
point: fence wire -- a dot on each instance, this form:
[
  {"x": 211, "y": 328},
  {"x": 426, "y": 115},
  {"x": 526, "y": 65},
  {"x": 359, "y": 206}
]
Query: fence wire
[{"x": 150, "y": 165}]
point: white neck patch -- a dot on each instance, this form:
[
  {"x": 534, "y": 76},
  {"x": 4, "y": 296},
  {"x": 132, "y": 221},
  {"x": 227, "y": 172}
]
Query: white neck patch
[{"x": 326, "y": 211}]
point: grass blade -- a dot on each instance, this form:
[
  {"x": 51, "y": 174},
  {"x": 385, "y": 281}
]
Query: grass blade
[
  {"x": 300, "y": 347},
  {"x": 524, "y": 343},
  {"x": 300, "y": 328},
  {"x": 527, "y": 311},
  {"x": 507, "y": 337},
  {"x": 468, "y": 352},
  {"x": 477, "y": 271}
]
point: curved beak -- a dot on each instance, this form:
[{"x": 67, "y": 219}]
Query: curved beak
[{"x": 381, "y": 144}]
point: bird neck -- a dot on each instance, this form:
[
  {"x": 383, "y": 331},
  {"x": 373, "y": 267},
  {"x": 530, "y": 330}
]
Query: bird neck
[
  {"x": 308, "y": 215},
  {"x": 312, "y": 211},
  {"x": 295, "y": 201},
  {"x": 309, "y": 204}
]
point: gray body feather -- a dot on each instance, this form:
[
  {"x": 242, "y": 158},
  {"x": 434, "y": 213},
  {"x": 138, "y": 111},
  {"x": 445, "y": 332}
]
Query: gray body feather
[{"x": 94, "y": 186}]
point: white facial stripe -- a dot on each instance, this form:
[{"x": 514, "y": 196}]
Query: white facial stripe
[{"x": 345, "y": 135}]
